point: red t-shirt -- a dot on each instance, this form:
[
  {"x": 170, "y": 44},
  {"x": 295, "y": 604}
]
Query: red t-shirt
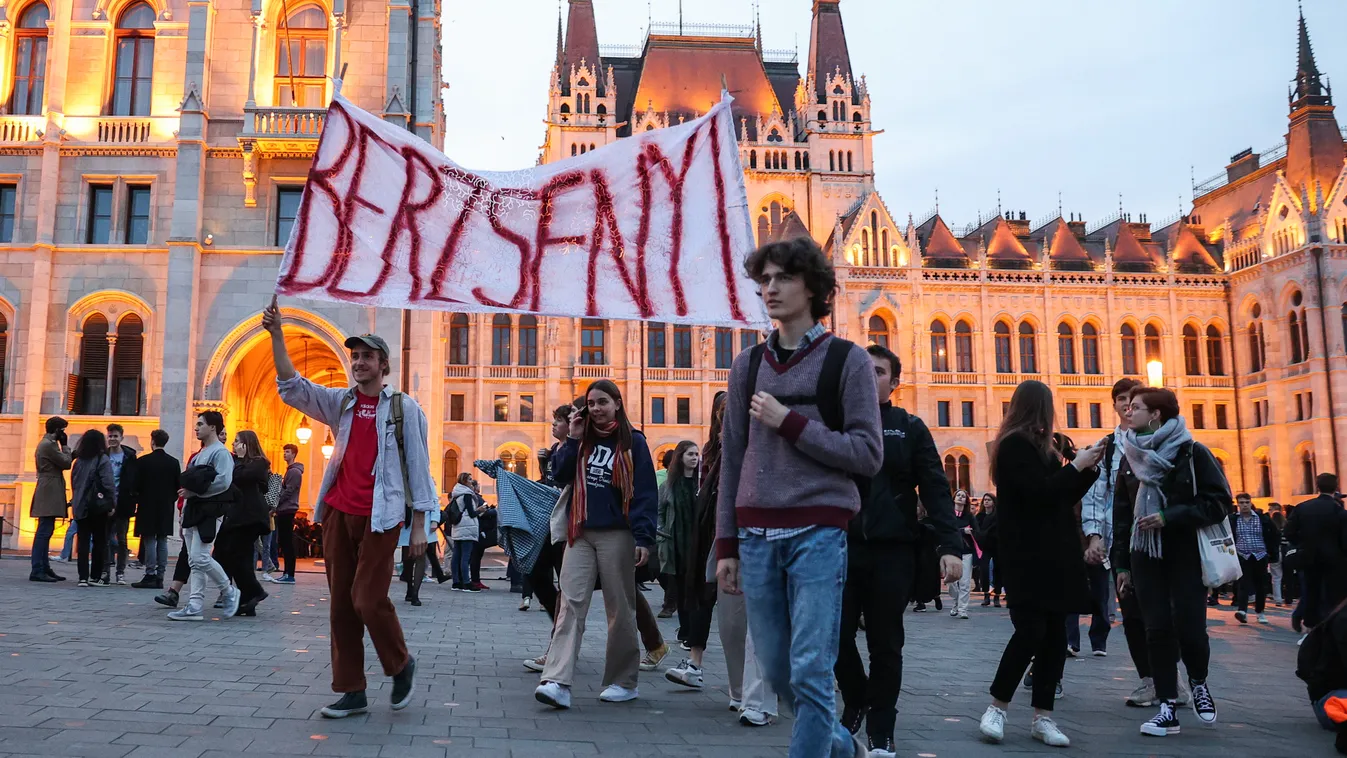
[{"x": 353, "y": 491}]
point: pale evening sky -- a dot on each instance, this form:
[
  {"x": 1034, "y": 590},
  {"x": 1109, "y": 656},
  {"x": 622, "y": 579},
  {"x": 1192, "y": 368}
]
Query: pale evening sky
[{"x": 1083, "y": 97}]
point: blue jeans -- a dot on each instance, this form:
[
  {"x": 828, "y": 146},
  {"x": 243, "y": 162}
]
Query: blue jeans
[
  {"x": 156, "y": 555},
  {"x": 46, "y": 527},
  {"x": 461, "y": 564},
  {"x": 71, "y": 529},
  {"x": 793, "y": 592}
]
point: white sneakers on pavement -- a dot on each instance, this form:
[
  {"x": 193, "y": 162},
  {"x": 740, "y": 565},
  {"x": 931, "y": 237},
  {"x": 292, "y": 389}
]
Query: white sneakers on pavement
[
  {"x": 1045, "y": 730},
  {"x": 536, "y": 664},
  {"x": 616, "y": 693},
  {"x": 755, "y": 717},
  {"x": 993, "y": 724},
  {"x": 686, "y": 674},
  {"x": 556, "y": 695}
]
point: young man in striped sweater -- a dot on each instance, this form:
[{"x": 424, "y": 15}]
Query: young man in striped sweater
[{"x": 802, "y": 420}]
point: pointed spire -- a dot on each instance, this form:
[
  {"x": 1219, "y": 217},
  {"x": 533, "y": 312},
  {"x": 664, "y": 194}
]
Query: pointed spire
[
  {"x": 582, "y": 40},
  {"x": 757, "y": 20},
  {"x": 560, "y": 50},
  {"x": 827, "y": 47},
  {"x": 1309, "y": 89}
]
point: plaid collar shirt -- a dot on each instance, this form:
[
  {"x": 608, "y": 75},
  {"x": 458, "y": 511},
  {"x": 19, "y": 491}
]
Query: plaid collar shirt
[{"x": 1249, "y": 537}]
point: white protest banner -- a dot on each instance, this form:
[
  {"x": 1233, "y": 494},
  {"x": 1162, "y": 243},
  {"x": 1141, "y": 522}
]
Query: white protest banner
[{"x": 654, "y": 226}]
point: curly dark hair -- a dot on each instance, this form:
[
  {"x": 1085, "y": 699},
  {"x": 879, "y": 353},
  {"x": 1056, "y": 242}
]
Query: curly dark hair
[{"x": 804, "y": 257}]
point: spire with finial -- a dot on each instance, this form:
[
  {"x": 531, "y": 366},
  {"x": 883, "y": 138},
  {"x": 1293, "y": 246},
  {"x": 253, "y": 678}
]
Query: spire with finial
[
  {"x": 757, "y": 21},
  {"x": 1309, "y": 88},
  {"x": 560, "y": 48}
]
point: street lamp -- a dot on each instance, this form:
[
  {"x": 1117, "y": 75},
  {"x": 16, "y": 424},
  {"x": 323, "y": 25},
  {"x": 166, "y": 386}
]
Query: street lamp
[
  {"x": 1155, "y": 374},
  {"x": 327, "y": 446}
]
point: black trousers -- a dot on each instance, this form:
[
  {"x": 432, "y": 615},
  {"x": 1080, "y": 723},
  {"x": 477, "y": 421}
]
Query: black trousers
[
  {"x": 1253, "y": 581},
  {"x": 1324, "y": 587},
  {"x": 671, "y": 591},
  {"x": 878, "y": 586},
  {"x": 182, "y": 570},
  {"x": 694, "y": 613},
  {"x": 285, "y": 539},
  {"x": 475, "y": 570},
  {"x": 1040, "y": 638},
  {"x": 543, "y": 577},
  {"x": 1100, "y": 591},
  {"x": 1173, "y": 602},
  {"x": 234, "y": 552},
  {"x": 91, "y": 539},
  {"x": 1134, "y": 630}
]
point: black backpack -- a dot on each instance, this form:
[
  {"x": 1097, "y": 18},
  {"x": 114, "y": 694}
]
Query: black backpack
[
  {"x": 455, "y": 511},
  {"x": 827, "y": 395}
]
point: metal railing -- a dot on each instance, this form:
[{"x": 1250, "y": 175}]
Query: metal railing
[{"x": 682, "y": 29}]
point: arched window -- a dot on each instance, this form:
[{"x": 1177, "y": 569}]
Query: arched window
[
  {"x": 848, "y": 160},
  {"x": 1152, "y": 343},
  {"x": 806, "y": 161},
  {"x": 879, "y": 331},
  {"x": 90, "y": 385},
  {"x": 724, "y": 348},
  {"x": 1257, "y": 345},
  {"x": 832, "y": 161},
  {"x": 449, "y": 474},
  {"x": 1293, "y": 326},
  {"x": 822, "y": 117},
  {"x": 865, "y": 247},
  {"x": 1264, "y": 476},
  {"x": 126, "y": 369},
  {"x": 1344, "y": 325},
  {"x": 764, "y": 229},
  {"x": 1215, "y": 355},
  {"x": 656, "y": 336},
  {"x": 957, "y": 471},
  {"x": 939, "y": 347},
  {"x": 963, "y": 347},
  {"x": 884, "y": 246},
  {"x": 4, "y": 352},
  {"x": 30, "y": 61},
  {"x": 752, "y": 158},
  {"x": 516, "y": 461},
  {"x": 682, "y": 346},
  {"x": 134, "y": 71},
  {"x": 1004, "y": 361},
  {"x": 1028, "y": 349},
  {"x": 301, "y": 59},
  {"x": 1297, "y": 302},
  {"x": 1306, "y": 472},
  {"x": 777, "y": 214},
  {"x": 500, "y": 340},
  {"x": 458, "y": 340},
  {"x": 964, "y": 471},
  {"x": 1066, "y": 348},
  {"x": 798, "y": 165},
  {"x": 1089, "y": 349},
  {"x": 528, "y": 341},
  {"x": 574, "y": 151},
  {"x": 1192, "y": 353},
  {"x": 565, "y": 108},
  {"x": 837, "y": 111},
  {"x": 1128, "y": 339},
  {"x": 592, "y": 332}
]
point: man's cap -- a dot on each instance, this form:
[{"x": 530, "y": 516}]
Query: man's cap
[{"x": 369, "y": 340}]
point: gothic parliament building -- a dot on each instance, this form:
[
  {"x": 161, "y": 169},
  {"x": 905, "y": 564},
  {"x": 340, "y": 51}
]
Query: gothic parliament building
[{"x": 152, "y": 155}]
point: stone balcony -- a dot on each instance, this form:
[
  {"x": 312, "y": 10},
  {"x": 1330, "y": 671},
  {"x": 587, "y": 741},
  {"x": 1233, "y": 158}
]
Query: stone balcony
[
  {"x": 22, "y": 130},
  {"x": 92, "y": 131}
]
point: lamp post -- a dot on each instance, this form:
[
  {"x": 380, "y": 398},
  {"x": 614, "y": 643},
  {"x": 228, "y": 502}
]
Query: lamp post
[
  {"x": 304, "y": 433},
  {"x": 327, "y": 446},
  {"x": 1155, "y": 374}
]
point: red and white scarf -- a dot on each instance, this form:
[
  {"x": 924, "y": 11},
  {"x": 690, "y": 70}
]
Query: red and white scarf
[{"x": 622, "y": 480}]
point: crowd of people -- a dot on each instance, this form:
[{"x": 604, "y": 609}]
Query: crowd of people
[{"x": 816, "y": 508}]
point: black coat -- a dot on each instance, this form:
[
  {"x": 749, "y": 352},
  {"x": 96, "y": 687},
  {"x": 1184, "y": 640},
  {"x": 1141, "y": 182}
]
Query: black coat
[
  {"x": 127, "y": 489},
  {"x": 1039, "y": 555},
  {"x": 1196, "y": 495},
  {"x": 1317, "y": 528},
  {"x": 249, "y": 512},
  {"x": 157, "y": 476}
]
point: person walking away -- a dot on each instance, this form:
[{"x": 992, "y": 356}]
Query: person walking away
[
  {"x": 124, "y": 476},
  {"x": 205, "y": 488},
  {"x": 1039, "y": 555},
  {"x": 93, "y": 499},
  {"x": 1255, "y": 540},
  {"x": 882, "y": 560},
  {"x": 246, "y": 518},
  {"x": 487, "y": 519},
  {"x": 463, "y": 533},
  {"x": 610, "y": 532},
  {"x": 157, "y": 480},
  {"x": 286, "y": 508},
  {"x": 378, "y": 479},
  {"x": 959, "y": 589},
  {"x": 1168, "y": 487},
  {"x": 416, "y": 570},
  {"x": 53, "y": 459},
  {"x": 801, "y": 422},
  {"x": 677, "y": 511},
  {"x": 984, "y": 523},
  {"x": 1315, "y": 529}
]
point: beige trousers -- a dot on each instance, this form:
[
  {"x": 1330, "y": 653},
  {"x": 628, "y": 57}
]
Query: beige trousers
[{"x": 609, "y": 555}]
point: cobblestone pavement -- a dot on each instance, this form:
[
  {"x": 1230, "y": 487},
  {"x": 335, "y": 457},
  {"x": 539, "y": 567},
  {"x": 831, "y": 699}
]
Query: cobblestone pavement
[{"x": 101, "y": 672}]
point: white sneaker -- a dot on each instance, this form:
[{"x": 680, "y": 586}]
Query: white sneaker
[
  {"x": 1144, "y": 695},
  {"x": 736, "y": 705},
  {"x": 1262, "y": 617},
  {"x": 616, "y": 693},
  {"x": 1100, "y": 653},
  {"x": 267, "y": 577},
  {"x": 556, "y": 695},
  {"x": 686, "y": 674},
  {"x": 963, "y": 614},
  {"x": 953, "y": 612},
  {"x": 536, "y": 664},
  {"x": 524, "y": 605},
  {"x": 121, "y": 579},
  {"x": 993, "y": 724},
  {"x": 755, "y": 717},
  {"x": 231, "y": 606},
  {"x": 183, "y": 614},
  {"x": 1045, "y": 730}
]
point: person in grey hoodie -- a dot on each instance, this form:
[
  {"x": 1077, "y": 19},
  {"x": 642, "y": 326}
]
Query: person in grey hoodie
[
  {"x": 195, "y": 532},
  {"x": 286, "y": 508}
]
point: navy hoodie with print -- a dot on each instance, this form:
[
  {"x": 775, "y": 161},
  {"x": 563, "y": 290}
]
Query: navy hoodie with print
[{"x": 603, "y": 500}]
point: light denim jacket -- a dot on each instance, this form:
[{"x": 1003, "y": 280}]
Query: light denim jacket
[
  {"x": 335, "y": 408},
  {"x": 1096, "y": 508}
]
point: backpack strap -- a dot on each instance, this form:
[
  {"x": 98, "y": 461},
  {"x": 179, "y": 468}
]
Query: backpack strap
[
  {"x": 829, "y": 393},
  {"x": 395, "y": 415},
  {"x": 754, "y": 364}
]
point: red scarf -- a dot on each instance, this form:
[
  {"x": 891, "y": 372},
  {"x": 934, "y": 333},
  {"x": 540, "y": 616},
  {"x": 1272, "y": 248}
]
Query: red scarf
[{"x": 622, "y": 480}]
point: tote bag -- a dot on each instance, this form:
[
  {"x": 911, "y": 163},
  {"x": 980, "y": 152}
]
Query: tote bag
[{"x": 1216, "y": 547}]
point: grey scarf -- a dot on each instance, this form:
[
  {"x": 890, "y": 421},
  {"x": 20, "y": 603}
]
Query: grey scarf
[{"x": 1152, "y": 457}]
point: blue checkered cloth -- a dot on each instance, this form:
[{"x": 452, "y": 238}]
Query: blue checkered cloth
[{"x": 524, "y": 513}]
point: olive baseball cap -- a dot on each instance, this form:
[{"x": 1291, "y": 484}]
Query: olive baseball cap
[{"x": 369, "y": 340}]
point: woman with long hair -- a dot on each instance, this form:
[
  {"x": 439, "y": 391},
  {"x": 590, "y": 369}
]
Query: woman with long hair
[
  {"x": 92, "y": 496},
  {"x": 246, "y": 519},
  {"x": 1169, "y": 486},
  {"x": 678, "y": 514},
  {"x": 991, "y": 579},
  {"x": 1040, "y": 555},
  {"x": 610, "y": 532},
  {"x": 959, "y": 589}
]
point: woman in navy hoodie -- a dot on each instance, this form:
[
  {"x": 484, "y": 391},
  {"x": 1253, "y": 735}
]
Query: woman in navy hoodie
[{"x": 610, "y": 532}]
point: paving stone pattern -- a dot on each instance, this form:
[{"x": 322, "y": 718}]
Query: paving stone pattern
[{"x": 101, "y": 672}]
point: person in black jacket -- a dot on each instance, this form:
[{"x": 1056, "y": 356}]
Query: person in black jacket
[
  {"x": 157, "y": 479},
  {"x": 247, "y": 518},
  {"x": 1040, "y": 555},
  {"x": 1256, "y": 543},
  {"x": 123, "y": 461},
  {"x": 1316, "y": 530},
  {"x": 983, "y": 525},
  {"x": 882, "y": 560},
  {"x": 1168, "y": 487}
]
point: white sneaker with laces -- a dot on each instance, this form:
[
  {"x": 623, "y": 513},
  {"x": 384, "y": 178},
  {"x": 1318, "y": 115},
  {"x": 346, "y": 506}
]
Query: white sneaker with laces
[
  {"x": 993, "y": 724},
  {"x": 1262, "y": 619},
  {"x": 231, "y": 607},
  {"x": 755, "y": 717},
  {"x": 953, "y": 612},
  {"x": 183, "y": 614},
  {"x": 556, "y": 695},
  {"x": 1045, "y": 730},
  {"x": 536, "y": 664},
  {"x": 616, "y": 693},
  {"x": 736, "y": 705},
  {"x": 963, "y": 614},
  {"x": 1144, "y": 695},
  {"x": 267, "y": 577},
  {"x": 686, "y": 674},
  {"x": 1164, "y": 723}
]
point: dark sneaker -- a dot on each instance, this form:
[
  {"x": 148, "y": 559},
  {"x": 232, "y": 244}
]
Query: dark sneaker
[
  {"x": 350, "y": 704},
  {"x": 1057, "y": 693},
  {"x": 1203, "y": 705},
  {"x": 882, "y": 747},
  {"x": 42, "y": 578},
  {"x": 852, "y": 718},
  {"x": 404, "y": 683},
  {"x": 1165, "y": 723},
  {"x": 1242, "y": 617},
  {"x": 148, "y": 583},
  {"x": 55, "y": 575},
  {"x": 169, "y": 598},
  {"x": 1029, "y": 679},
  {"x": 919, "y": 608},
  {"x": 284, "y": 579}
]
